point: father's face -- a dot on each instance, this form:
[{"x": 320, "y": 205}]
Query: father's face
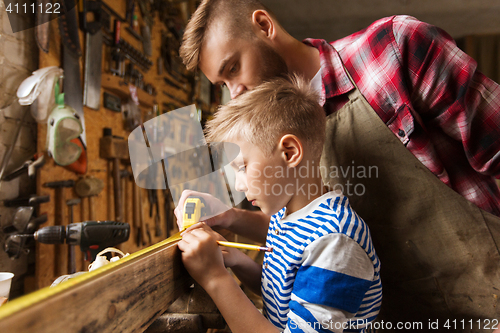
[{"x": 241, "y": 64}]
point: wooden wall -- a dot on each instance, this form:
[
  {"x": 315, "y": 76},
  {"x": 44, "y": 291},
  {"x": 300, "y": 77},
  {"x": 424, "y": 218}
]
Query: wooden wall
[{"x": 50, "y": 264}]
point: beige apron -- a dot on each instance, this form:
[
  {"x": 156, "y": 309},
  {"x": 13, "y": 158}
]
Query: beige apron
[{"x": 439, "y": 258}]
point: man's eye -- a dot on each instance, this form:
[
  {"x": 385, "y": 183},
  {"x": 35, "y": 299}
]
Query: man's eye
[{"x": 233, "y": 69}]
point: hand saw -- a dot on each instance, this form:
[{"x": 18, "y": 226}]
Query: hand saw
[
  {"x": 93, "y": 52},
  {"x": 68, "y": 28}
]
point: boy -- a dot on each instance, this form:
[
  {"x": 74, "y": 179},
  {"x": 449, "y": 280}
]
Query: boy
[{"x": 323, "y": 273}]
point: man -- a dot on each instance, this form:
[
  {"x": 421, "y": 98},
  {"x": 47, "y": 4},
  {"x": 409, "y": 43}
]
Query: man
[{"x": 438, "y": 251}]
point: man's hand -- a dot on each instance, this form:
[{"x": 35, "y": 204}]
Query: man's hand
[
  {"x": 201, "y": 254},
  {"x": 218, "y": 214}
]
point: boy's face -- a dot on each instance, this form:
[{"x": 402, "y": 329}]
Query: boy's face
[
  {"x": 239, "y": 63},
  {"x": 263, "y": 179}
]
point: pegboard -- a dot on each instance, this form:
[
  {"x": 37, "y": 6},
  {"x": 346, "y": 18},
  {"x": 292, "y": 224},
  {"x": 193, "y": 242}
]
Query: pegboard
[{"x": 51, "y": 260}]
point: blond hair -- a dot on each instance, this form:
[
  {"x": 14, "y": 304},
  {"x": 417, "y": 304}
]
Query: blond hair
[
  {"x": 237, "y": 15},
  {"x": 263, "y": 115}
]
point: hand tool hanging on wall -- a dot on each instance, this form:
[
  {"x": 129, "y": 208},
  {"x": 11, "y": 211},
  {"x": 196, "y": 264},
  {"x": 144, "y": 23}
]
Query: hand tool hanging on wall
[
  {"x": 144, "y": 6},
  {"x": 176, "y": 85},
  {"x": 32, "y": 200},
  {"x": 93, "y": 52},
  {"x": 36, "y": 222},
  {"x": 153, "y": 201},
  {"x": 71, "y": 247},
  {"x": 115, "y": 149},
  {"x": 59, "y": 187},
  {"x": 124, "y": 177},
  {"x": 68, "y": 28},
  {"x": 137, "y": 212},
  {"x": 116, "y": 54},
  {"x": 128, "y": 51},
  {"x": 30, "y": 166},
  {"x": 145, "y": 233},
  {"x": 42, "y": 25},
  {"x": 175, "y": 98},
  {"x": 146, "y": 28},
  {"x": 167, "y": 211},
  {"x": 89, "y": 187},
  {"x": 146, "y": 40},
  {"x": 18, "y": 221},
  {"x": 135, "y": 77},
  {"x": 8, "y": 153}
]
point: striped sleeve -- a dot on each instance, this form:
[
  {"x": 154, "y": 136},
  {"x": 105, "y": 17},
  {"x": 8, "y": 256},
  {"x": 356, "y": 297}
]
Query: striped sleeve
[{"x": 330, "y": 285}]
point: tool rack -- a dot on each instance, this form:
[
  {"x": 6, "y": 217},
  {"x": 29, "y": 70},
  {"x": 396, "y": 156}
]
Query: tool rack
[{"x": 95, "y": 121}]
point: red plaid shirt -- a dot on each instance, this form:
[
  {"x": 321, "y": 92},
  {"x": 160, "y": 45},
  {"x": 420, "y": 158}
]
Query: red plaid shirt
[{"x": 429, "y": 94}]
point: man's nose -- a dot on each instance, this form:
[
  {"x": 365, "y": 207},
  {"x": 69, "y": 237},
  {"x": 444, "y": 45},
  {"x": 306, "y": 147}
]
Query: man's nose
[{"x": 237, "y": 90}]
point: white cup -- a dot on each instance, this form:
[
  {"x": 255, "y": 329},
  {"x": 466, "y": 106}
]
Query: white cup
[{"x": 5, "y": 281}]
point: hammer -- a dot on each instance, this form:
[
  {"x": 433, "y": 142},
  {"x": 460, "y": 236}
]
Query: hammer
[
  {"x": 89, "y": 187},
  {"x": 124, "y": 176},
  {"x": 59, "y": 197},
  {"x": 59, "y": 186},
  {"x": 71, "y": 248},
  {"x": 115, "y": 149}
]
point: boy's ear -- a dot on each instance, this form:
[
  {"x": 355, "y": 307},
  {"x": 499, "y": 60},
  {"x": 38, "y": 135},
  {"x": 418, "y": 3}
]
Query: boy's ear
[
  {"x": 291, "y": 150},
  {"x": 263, "y": 24}
]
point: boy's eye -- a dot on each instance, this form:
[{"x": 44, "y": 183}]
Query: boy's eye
[{"x": 242, "y": 169}]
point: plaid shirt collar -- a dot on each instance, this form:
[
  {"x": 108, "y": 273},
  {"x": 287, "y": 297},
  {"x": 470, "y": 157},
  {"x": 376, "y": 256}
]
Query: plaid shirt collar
[{"x": 334, "y": 77}]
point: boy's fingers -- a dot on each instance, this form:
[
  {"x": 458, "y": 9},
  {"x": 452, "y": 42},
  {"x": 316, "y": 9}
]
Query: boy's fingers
[
  {"x": 191, "y": 228},
  {"x": 182, "y": 245},
  {"x": 196, "y": 235},
  {"x": 200, "y": 234}
]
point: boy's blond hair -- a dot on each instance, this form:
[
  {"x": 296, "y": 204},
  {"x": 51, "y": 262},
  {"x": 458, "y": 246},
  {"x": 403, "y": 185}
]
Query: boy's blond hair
[
  {"x": 237, "y": 15},
  {"x": 263, "y": 115}
]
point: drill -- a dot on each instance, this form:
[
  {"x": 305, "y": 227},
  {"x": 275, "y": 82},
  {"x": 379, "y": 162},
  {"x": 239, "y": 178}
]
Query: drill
[{"x": 92, "y": 236}]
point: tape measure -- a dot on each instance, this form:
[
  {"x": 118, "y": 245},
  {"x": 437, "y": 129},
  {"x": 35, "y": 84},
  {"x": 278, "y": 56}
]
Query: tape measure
[{"x": 194, "y": 210}]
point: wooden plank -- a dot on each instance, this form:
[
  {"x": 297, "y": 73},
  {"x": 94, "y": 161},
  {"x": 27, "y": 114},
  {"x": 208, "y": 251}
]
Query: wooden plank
[{"x": 125, "y": 296}]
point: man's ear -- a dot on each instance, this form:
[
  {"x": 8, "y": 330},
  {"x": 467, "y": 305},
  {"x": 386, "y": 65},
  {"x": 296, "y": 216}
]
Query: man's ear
[
  {"x": 291, "y": 150},
  {"x": 263, "y": 24}
]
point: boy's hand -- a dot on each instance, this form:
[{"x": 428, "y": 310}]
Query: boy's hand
[
  {"x": 201, "y": 254},
  {"x": 218, "y": 214},
  {"x": 229, "y": 254}
]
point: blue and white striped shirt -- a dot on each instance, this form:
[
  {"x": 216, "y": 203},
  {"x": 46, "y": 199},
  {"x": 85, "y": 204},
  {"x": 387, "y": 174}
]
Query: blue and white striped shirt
[{"x": 323, "y": 273}]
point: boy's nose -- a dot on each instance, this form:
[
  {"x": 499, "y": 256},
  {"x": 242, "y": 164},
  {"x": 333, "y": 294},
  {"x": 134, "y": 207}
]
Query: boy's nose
[{"x": 240, "y": 185}]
